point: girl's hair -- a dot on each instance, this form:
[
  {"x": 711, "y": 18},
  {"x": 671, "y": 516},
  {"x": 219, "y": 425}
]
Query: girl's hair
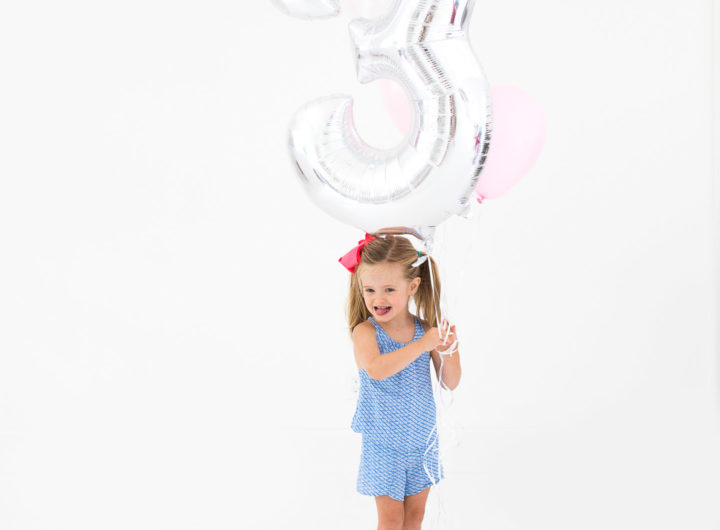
[{"x": 395, "y": 249}]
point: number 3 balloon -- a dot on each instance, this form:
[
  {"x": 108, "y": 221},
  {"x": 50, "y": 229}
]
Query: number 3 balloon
[{"x": 431, "y": 175}]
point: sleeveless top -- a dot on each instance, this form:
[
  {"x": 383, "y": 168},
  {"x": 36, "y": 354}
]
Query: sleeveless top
[{"x": 398, "y": 411}]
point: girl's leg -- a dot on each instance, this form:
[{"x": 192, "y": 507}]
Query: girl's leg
[
  {"x": 390, "y": 513},
  {"x": 415, "y": 510}
]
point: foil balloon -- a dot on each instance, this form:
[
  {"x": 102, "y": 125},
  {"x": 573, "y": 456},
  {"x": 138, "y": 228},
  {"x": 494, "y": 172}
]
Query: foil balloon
[
  {"x": 423, "y": 46},
  {"x": 308, "y": 8},
  {"x": 365, "y": 8}
]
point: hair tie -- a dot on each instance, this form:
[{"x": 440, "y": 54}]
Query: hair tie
[{"x": 421, "y": 259}]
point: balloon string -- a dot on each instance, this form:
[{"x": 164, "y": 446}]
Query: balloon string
[{"x": 433, "y": 441}]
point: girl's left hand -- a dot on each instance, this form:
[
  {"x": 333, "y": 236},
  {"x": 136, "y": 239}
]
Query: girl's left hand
[{"x": 451, "y": 337}]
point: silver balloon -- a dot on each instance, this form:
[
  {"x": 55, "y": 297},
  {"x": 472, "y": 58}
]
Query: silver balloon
[
  {"x": 309, "y": 8},
  {"x": 422, "y": 45}
]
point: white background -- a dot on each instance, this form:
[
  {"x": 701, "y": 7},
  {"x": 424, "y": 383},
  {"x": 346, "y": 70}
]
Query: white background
[{"x": 173, "y": 351}]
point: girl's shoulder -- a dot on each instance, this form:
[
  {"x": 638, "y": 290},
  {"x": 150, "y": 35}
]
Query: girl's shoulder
[{"x": 363, "y": 327}]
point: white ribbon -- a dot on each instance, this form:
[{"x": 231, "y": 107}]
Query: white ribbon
[{"x": 444, "y": 406}]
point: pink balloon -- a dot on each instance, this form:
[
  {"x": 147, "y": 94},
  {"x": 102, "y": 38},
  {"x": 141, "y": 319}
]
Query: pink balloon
[
  {"x": 517, "y": 138},
  {"x": 396, "y": 103},
  {"x": 518, "y": 134}
]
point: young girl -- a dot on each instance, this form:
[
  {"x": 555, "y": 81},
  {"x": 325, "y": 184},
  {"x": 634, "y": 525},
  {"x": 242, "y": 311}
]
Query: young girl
[{"x": 396, "y": 409}]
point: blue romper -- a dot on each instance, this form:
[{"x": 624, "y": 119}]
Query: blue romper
[{"x": 396, "y": 417}]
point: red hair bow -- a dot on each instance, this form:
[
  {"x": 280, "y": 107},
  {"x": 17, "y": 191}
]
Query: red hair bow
[{"x": 352, "y": 258}]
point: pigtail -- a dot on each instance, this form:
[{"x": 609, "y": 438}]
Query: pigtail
[
  {"x": 427, "y": 297},
  {"x": 355, "y": 311}
]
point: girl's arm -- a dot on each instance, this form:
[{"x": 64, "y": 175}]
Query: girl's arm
[
  {"x": 379, "y": 366},
  {"x": 451, "y": 369}
]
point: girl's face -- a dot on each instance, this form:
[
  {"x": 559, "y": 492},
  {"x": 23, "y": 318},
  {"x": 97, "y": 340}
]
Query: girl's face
[{"x": 386, "y": 291}]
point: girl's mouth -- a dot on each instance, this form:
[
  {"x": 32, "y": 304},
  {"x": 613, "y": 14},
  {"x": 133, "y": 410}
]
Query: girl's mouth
[{"x": 382, "y": 310}]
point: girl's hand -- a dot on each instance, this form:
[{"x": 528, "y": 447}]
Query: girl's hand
[
  {"x": 435, "y": 337},
  {"x": 452, "y": 337}
]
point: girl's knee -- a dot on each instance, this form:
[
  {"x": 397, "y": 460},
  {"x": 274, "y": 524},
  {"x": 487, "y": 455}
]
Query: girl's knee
[{"x": 413, "y": 518}]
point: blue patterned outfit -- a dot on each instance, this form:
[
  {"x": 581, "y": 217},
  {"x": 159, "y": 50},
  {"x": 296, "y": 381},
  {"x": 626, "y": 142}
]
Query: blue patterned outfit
[{"x": 396, "y": 417}]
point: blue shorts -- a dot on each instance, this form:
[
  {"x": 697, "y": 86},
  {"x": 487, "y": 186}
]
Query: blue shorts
[{"x": 397, "y": 473}]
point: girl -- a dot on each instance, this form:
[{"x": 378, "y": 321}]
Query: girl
[{"x": 396, "y": 409}]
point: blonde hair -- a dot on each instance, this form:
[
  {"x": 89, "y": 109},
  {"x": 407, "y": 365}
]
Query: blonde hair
[{"x": 395, "y": 249}]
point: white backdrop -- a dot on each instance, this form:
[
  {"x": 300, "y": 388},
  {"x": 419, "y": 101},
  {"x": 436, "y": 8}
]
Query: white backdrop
[{"x": 173, "y": 352}]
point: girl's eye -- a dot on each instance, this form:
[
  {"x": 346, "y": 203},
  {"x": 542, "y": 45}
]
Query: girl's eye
[{"x": 389, "y": 289}]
